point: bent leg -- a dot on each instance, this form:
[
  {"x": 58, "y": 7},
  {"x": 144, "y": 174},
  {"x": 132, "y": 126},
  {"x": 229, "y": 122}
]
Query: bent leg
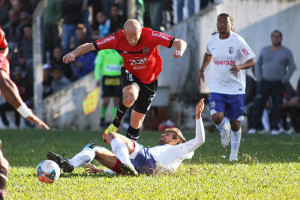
[{"x": 121, "y": 147}]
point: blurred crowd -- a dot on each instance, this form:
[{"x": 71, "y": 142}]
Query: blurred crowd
[{"x": 68, "y": 24}]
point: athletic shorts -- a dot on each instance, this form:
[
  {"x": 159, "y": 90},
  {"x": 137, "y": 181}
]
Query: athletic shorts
[
  {"x": 231, "y": 105},
  {"x": 142, "y": 159},
  {"x": 111, "y": 86},
  {"x": 146, "y": 94}
]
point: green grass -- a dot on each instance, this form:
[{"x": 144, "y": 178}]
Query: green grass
[{"x": 268, "y": 168}]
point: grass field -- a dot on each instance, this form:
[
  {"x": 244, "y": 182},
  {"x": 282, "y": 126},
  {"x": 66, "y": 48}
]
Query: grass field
[{"x": 268, "y": 168}]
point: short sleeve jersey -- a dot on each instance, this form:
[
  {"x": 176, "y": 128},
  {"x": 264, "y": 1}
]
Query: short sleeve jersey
[
  {"x": 4, "y": 64},
  {"x": 142, "y": 60},
  {"x": 3, "y": 42},
  {"x": 226, "y": 52}
]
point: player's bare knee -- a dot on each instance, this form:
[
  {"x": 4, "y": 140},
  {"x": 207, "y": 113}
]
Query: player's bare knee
[
  {"x": 110, "y": 136},
  {"x": 130, "y": 97},
  {"x": 235, "y": 125},
  {"x": 217, "y": 118}
]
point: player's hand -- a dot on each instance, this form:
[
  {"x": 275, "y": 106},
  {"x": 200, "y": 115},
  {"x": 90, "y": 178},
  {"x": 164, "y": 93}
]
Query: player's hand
[
  {"x": 70, "y": 57},
  {"x": 235, "y": 69},
  {"x": 177, "y": 54},
  {"x": 200, "y": 77},
  {"x": 199, "y": 108},
  {"x": 33, "y": 118},
  {"x": 92, "y": 169}
]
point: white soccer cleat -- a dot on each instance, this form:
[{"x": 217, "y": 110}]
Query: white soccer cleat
[
  {"x": 225, "y": 134},
  {"x": 225, "y": 139},
  {"x": 233, "y": 157}
]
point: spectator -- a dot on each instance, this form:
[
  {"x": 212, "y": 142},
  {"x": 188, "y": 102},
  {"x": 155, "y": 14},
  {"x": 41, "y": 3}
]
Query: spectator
[
  {"x": 47, "y": 79},
  {"x": 140, "y": 11},
  {"x": 116, "y": 19},
  {"x": 57, "y": 60},
  {"x": 84, "y": 64},
  {"x": 86, "y": 14},
  {"x": 13, "y": 30},
  {"x": 156, "y": 8},
  {"x": 82, "y": 35},
  {"x": 52, "y": 16},
  {"x": 104, "y": 24},
  {"x": 275, "y": 66},
  {"x": 97, "y": 7},
  {"x": 25, "y": 18},
  {"x": 180, "y": 6},
  {"x": 169, "y": 19},
  {"x": 106, "y": 5},
  {"x": 292, "y": 106},
  {"x": 25, "y": 52},
  {"x": 72, "y": 16},
  {"x": 59, "y": 80},
  {"x": 4, "y": 8}
]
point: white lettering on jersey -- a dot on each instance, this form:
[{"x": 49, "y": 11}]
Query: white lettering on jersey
[
  {"x": 160, "y": 36},
  {"x": 224, "y": 62},
  {"x": 106, "y": 40}
]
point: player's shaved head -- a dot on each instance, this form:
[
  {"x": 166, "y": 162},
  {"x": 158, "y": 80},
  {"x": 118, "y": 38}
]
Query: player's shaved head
[
  {"x": 133, "y": 31},
  {"x": 132, "y": 25}
]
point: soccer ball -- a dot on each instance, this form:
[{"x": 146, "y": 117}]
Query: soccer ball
[{"x": 48, "y": 171}]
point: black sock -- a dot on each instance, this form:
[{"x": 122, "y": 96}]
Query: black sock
[
  {"x": 120, "y": 114},
  {"x": 3, "y": 179},
  {"x": 133, "y": 133}
]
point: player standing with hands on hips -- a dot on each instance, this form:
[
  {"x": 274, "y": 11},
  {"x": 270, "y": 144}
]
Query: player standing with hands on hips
[
  {"x": 142, "y": 65},
  {"x": 230, "y": 56},
  {"x": 11, "y": 93}
]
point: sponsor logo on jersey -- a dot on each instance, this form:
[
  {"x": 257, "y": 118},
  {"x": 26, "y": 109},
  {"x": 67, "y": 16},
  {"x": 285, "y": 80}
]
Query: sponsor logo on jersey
[
  {"x": 138, "y": 61},
  {"x": 230, "y": 50},
  {"x": 106, "y": 40},
  {"x": 224, "y": 62},
  {"x": 146, "y": 50},
  {"x": 245, "y": 52},
  {"x": 161, "y": 35},
  {"x": 212, "y": 104}
]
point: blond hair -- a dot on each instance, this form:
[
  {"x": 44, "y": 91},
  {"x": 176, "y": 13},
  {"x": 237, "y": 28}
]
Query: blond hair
[{"x": 176, "y": 134}]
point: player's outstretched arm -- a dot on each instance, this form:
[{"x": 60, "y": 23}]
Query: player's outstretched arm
[
  {"x": 199, "y": 109},
  {"x": 82, "y": 49},
  {"x": 11, "y": 94},
  {"x": 199, "y": 139},
  {"x": 180, "y": 46}
]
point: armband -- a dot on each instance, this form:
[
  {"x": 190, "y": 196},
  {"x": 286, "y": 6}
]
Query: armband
[{"x": 24, "y": 110}]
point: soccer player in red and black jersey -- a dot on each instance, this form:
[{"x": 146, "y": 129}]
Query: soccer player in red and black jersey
[
  {"x": 10, "y": 91},
  {"x": 142, "y": 65}
]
